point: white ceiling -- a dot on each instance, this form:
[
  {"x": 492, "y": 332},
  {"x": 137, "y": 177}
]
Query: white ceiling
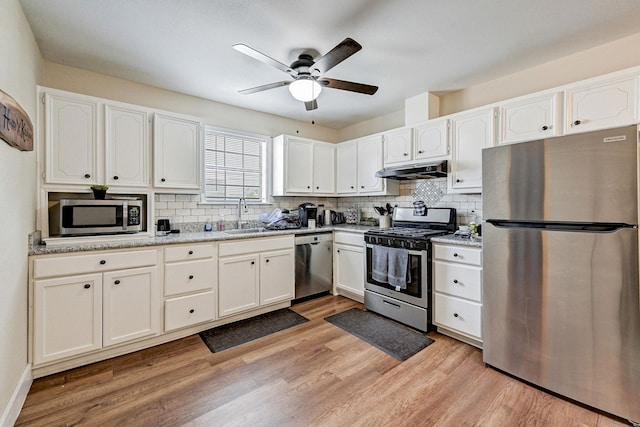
[{"x": 409, "y": 46}]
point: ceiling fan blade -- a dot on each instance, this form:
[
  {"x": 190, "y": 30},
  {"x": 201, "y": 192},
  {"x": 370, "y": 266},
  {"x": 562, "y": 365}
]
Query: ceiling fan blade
[
  {"x": 350, "y": 86},
  {"x": 342, "y": 51},
  {"x": 311, "y": 105},
  {"x": 263, "y": 87},
  {"x": 243, "y": 48}
]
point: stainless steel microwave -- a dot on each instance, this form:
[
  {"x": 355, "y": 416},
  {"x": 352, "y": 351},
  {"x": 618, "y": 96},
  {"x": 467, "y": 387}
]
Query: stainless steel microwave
[{"x": 77, "y": 217}]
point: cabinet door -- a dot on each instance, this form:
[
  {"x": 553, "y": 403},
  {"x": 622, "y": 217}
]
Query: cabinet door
[
  {"x": 471, "y": 133},
  {"x": 398, "y": 146},
  {"x": 299, "y": 166},
  {"x": 127, "y": 146},
  {"x": 346, "y": 170},
  {"x": 177, "y": 153},
  {"x": 529, "y": 119},
  {"x": 370, "y": 161},
  {"x": 67, "y": 317},
  {"x": 349, "y": 269},
  {"x": 277, "y": 276},
  {"x": 324, "y": 166},
  {"x": 130, "y": 304},
  {"x": 238, "y": 284},
  {"x": 71, "y": 139},
  {"x": 431, "y": 140}
]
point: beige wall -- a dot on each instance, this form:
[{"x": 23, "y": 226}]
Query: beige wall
[
  {"x": 617, "y": 55},
  {"x": 100, "y": 85},
  {"x": 19, "y": 72}
]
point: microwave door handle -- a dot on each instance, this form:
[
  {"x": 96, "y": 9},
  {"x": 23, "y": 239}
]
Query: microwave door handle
[{"x": 125, "y": 215}]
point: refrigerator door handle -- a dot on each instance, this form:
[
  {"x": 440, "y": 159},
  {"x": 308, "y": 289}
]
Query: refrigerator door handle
[{"x": 590, "y": 227}]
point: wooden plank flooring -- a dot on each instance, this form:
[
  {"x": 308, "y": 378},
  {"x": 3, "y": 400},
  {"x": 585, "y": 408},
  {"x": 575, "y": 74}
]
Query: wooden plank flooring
[{"x": 314, "y": 374}]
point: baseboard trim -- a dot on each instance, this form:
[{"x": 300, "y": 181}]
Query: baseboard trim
[{"x": 14, "y": 406}]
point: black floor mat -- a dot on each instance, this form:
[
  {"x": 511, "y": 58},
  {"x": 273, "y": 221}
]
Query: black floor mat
[
  {"x": 393, "y": 338},
  {"x": 242, "y": 331}
]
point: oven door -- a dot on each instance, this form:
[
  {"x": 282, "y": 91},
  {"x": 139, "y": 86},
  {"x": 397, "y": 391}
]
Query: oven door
[{"x": 417, "y": 290}]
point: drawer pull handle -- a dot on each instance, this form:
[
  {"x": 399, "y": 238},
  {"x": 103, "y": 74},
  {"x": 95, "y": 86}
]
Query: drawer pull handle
[
  {"x": 190, "y": 252},
  {"x": 455, "y": 281},
  {"x": 117, "y": 282},
  {"x": 103, "y": 262},
  {"x": 192, "y": 311},
  {"x": 191, "y": 276},
  {"x": 87, "y": 286},
  {"x": 455, "y": 315}
]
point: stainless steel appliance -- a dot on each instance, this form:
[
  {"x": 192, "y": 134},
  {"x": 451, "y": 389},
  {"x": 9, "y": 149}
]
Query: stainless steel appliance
[
  {"x": 560, "y": 266},
  {"x": 307, "y": 211},
  {"x": 76, "y": 217},
  {"x": 314, "y": 265},
  {"x": 437, "y": 169},
  {"x": 404, "y": 296}
]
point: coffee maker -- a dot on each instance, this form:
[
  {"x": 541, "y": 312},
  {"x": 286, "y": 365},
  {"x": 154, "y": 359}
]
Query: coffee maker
[{"x": 307, "y": 211}]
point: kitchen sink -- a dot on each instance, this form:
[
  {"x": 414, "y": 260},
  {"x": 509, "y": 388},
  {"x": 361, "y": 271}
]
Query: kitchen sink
[{"x": 245, "y": 231}]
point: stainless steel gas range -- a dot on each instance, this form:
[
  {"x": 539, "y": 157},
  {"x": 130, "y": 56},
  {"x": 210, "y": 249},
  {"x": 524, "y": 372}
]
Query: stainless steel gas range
[{"x": 398, "y": 265}]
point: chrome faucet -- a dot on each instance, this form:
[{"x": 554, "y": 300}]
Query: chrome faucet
[{"x": 242, "y": 206}]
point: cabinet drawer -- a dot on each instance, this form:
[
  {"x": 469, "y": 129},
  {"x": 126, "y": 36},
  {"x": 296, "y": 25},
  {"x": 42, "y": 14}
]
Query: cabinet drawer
[
  {"x": 92, "y": 263},
  {"x": 255, "y": 245},
  {"x": 189, "y": 252},
  {"x": 460, "y": 315},
  {"x": 464, "y": 255},
  {"x": 356, "y": 239},
  {"x": 459, "y": 280},
  {"x": 189, "y": 310},
  {"x": 190, "y": 276}
]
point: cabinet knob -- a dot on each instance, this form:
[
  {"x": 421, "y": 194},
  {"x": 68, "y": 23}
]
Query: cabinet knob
[
  {"x": 455, "y": 315},
  {"x": 352, "y": 187},
  {"x": 86, "y": 175},
  {"x": 253, "y": 262},
  {"x": 116, "y": 177},
  {"x": 545, "y": 127},
  {"x": 317, "y": 188},
  {"x": 455, "y": 254},
  {"x": 577, "y": 122},
  {"x": 455, "y": 281},
  {"x": 117, "y": 282},
  {"x": 362, "y": 186},
  {"x": 103, "y": 262},
  {"x": 458, "y": 180},
  {"x": 87, "y": 286},
  {"x": 162, "y": 179},
  {"x": 191, "y": 276},
  {"x": 267, "y": 260},
  {"x": 192, "y": 311},
  {"x": 420, "y": 151},
  {"x": 338, "y": 250},
  {"x": 308, "y": 186},
  {"x": 190, "y": 252}
]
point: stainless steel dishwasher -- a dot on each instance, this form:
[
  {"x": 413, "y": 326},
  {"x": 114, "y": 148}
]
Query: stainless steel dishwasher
[{"x": 314, "y": 265}]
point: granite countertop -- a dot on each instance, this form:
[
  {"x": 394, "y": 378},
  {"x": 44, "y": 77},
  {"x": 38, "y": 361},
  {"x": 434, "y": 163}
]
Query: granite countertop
[
  {"x": 450, "y": 239},
  {"x": 137, "y": 241}
]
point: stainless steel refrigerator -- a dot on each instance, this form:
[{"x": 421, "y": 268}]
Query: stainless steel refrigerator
[{"x": 561, "y": 303}]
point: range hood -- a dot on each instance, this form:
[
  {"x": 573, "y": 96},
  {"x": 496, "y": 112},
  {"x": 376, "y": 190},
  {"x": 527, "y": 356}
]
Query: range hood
[{"x": 417, "y": 171}]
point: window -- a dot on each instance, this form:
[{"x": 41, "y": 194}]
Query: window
[{"x": 234, "y": 166}]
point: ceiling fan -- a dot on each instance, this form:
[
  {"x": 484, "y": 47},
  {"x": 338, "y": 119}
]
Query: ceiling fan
[{"x": 307, "y": 81}]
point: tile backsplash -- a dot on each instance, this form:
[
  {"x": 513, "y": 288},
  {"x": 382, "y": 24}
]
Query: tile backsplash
[{"x": 187, "y": 213}]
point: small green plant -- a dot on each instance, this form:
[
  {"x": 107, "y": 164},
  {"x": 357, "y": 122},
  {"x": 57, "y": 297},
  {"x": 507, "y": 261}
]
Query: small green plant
[{"x": 100, "y": 187}]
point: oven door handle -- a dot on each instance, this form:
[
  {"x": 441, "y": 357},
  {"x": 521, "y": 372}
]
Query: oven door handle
[{"x": 414, "y": 253}]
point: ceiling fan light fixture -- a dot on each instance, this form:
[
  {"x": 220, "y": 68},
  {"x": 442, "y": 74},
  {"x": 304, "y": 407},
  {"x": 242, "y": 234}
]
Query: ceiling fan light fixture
[{"x": 305, "y": 89}]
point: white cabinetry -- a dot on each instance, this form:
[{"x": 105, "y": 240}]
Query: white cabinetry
[
  {"x": 303, "y": 166},
  {"x": 471, "y": 132},
  {"x": 348, "y": 262},
  {"x": 370, "y": 161},
  {"x": 346, "y": 170},
  {"x": 83, "y": 303},
  {"x": 457, "y": 278},
  {"x": 190, "y": 284},
  {"x": 531, "y": 118},
  {"x": 127, "y": 146},
  {"x": 602, "y": 104},
  {"x": 255, "y": 273},
  {"x": 177, "y": 154},
  {"x": 398, "y": 146},
  {"x": 431, "y": 139},
  {"x": 71, "y": 139}
]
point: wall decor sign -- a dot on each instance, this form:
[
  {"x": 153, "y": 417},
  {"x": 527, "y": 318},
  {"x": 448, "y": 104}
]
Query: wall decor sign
[{"x": 16, "y": 128}]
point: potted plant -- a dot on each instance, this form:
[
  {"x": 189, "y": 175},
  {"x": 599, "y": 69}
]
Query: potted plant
[{"x": 99, "y": 191}]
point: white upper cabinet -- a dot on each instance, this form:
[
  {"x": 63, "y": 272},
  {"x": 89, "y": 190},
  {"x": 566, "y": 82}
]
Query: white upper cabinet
[
  {"x": 299, "y": 163},
  {"x": 346, "y": 170},
  {"x": 471, "y": 132},
  {"x": 71, "y": 139},
  {"x": 531, "y": 118},
  {"x": 398, "y": 146},
  {"x": 431, "y": 139},
  {"x": 324, "y": 168},
  {"x": 177, "y": 153},
  {"x": 127, "y": 146},
  {"x": 601, "y": 105},
  {"x": 370, "y": 161}
]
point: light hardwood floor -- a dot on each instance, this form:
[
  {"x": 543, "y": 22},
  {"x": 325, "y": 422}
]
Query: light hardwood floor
[{"x": 314, "y": 374}]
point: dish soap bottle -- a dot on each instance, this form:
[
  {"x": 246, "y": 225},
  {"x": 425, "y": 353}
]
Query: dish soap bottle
[{"x": 473, "y": 225}]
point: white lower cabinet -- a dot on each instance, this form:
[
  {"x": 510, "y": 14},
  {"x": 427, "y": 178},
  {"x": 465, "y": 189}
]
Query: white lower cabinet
[
  {"x": 348, "y": 263},
  {"x": 254, "y": 273},
  {"x": 457, "y": 301},
  {"x": 74, "y": 314}
]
